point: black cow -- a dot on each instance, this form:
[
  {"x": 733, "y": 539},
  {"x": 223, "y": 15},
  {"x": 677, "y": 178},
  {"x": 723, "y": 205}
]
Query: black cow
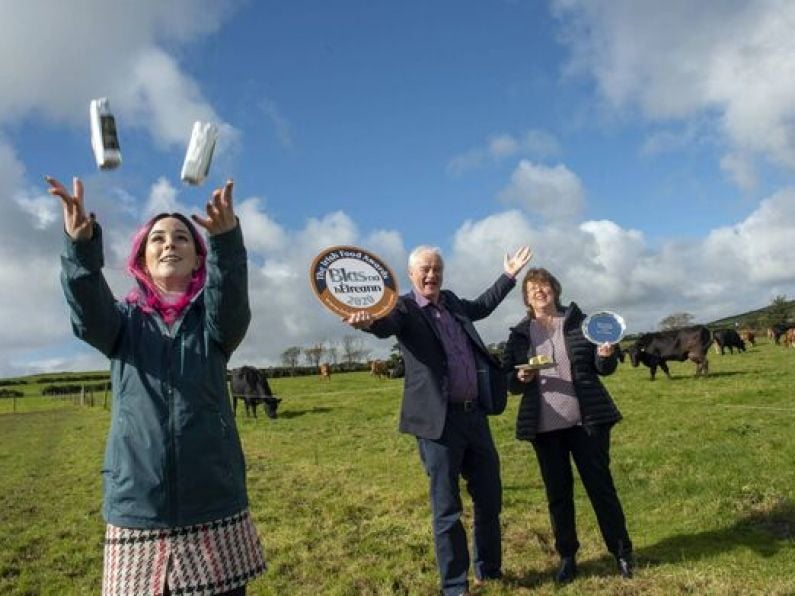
[
  {"x": 727, "y": 338},
  {"x": 399, "y": 370},
  {"x": 251, "y": 385},
  {"x": 655, "y": 349}
]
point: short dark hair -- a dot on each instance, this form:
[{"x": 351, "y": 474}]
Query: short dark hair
[{"x": 541, "y": 275}]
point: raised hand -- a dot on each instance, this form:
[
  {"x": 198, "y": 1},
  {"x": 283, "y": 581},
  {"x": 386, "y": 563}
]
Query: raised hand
[
  {"x": 514, "y": 264},
  {"x": 220, "y": 213},
  {"x": 77, "y": 224}
]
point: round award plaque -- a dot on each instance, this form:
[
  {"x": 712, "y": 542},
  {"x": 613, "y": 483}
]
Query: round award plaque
[
  {"x": 604, "y": 327},
  {"x": 348, "y": 279}
]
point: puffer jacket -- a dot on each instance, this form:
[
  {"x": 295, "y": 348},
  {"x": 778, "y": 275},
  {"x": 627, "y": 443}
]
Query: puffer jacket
[
  {"x": 173, "y": 455},
  {"x": 596, "y": 405}
]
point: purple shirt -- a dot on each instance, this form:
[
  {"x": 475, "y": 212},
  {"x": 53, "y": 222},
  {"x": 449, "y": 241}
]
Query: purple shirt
[{"x": 460, "y": 383}]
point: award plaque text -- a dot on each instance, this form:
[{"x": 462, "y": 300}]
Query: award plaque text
[
  {"x": 348, "y": 279},
  {"x": 604, "y": 327}
]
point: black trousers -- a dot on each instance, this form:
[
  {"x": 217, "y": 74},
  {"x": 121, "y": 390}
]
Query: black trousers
[{"x": 591, "y": 453}]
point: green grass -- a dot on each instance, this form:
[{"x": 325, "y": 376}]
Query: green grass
[{"x": 704, "y": 468}]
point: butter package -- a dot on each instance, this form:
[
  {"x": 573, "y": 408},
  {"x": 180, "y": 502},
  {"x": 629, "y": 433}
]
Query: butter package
[
  {"x": 104, "y": 138},
  {"x": 200, "y": 152}
]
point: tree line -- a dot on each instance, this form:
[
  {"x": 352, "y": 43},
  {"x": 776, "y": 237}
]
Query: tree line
[
  {"x": 349, "y": 353},
  {"x": 780, "y": 311}
]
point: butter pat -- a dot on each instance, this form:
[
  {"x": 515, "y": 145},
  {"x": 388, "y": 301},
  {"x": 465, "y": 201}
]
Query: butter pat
[
  {"x": 199, "y": 153},
  {"x": 539, "y": 360}
]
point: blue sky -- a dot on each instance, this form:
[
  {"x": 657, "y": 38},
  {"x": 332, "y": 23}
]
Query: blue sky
[{"x": 644, "y": 150}]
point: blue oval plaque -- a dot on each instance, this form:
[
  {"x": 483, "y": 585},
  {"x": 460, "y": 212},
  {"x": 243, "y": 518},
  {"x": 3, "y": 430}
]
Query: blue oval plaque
[{"x": 604, "y": 327}]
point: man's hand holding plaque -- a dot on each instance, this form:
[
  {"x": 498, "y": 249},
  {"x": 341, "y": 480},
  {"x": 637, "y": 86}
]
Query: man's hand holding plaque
[{"x": 353, "y": 283}]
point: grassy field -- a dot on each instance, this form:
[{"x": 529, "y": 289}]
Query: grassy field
[{"x": 705, "y": 469}]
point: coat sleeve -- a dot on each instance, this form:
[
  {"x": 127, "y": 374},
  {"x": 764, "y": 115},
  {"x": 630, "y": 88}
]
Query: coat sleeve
[
  {"x": 392, "y": 323},
  {"x": 515, "y": 353},
  {"x": 484, "y": 305},
  {"x": 228, "y": 312},
  {"x": 93, "y": 310},
  {"x": 605, "y": 366}
]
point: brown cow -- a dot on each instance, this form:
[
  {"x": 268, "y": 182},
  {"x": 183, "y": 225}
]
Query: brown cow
[
  {"x": 379, "y": 369},
  {"x": 749, "y": 336},
  {"x": 325, "y": 372},
  {"x": 789, "y": 338}
]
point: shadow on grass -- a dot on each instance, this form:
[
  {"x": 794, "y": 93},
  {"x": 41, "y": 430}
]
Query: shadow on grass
[
  {"x": 297, "y": 413},
  {"x": 764, "y": 532}
]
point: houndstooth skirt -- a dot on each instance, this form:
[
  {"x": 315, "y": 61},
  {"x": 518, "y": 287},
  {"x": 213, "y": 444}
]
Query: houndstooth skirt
[{"x": 203, "y": 559}]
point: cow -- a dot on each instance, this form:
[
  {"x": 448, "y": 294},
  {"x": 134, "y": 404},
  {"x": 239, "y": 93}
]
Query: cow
[
  {"x": 779, "y": 330},
  {"x": 620, "y": 352},
  {"x": 399, "y": 370},
  {"x": 251, "y": 385},
  {"x": 325, "y": 372},
  {"x": 789, "y": 338},
  {"x": 655, "y": 349},
  {"x": 727, "y": 338},
  {"x": 379, "y": 369},
  {"x": 748, "y": 336}
]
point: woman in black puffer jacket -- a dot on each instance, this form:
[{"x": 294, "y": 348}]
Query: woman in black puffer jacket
[{"x": 566, "y": 413}]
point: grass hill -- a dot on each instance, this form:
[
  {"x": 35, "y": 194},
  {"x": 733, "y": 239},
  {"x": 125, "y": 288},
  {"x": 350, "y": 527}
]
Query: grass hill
[
  {"x": 703, "y": 467},
  {"x": 761, "y": 317}
]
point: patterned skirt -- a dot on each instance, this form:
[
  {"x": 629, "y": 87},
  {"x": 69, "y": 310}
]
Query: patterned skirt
[{"x": 203, "y": 559}]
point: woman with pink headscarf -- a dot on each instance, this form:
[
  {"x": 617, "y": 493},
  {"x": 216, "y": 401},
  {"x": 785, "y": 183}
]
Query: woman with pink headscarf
[{"x": 175, "y": 498}]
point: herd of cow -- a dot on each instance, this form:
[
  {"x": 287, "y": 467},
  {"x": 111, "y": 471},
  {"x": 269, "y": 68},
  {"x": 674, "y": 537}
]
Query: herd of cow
[
  {"x": 651, "y": 349},
  {"x": 692, "y": 343}
]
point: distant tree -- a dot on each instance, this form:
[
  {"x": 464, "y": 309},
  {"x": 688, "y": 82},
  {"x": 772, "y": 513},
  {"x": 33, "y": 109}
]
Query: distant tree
[
  {"x": 290, "y": 358},
  {"x": 314, "y": 354},
  {"x": 333, "y": 352},
  {"x": 675, "y": 320},
  {"x": 394, "y": 355},
  {"x": 353, "y": 349},
  {"x": 779, "y": 310}
]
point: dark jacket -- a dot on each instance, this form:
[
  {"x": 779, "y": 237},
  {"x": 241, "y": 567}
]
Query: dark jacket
[
  {"x": 596, "y": 405},
  {"x": 173, "y": 455},
  {"x": 424, "y": 407}
]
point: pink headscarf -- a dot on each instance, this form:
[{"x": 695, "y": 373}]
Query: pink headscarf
[{"x": 146, "y": 294}]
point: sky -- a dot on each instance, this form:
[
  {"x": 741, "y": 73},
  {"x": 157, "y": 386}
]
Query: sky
[{"x": 645, "y": 150}]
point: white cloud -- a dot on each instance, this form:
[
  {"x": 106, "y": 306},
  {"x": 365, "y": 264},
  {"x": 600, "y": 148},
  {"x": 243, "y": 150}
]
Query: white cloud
[
  {"x": 502, "y": 146},
  {"x": 740, "y": 169},
  {"x": 280, "y": 124},
  {"x": 759, "y": 249},
  {"x": 535, "y": 143},
  {"x": 259, "y": 230},
  {"x": 56, "y": 56},
  {"x": 157, "y": 95},
  {"x": 600, "y": 264},
  {"x": 162, "y": 199},
  {"x": 677, "y": 59},
  {"x": 553, "y": 192}
]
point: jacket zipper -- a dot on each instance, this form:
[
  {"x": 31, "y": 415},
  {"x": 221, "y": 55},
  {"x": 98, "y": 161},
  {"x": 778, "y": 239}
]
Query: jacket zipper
[{"x": 170, "y": 334}]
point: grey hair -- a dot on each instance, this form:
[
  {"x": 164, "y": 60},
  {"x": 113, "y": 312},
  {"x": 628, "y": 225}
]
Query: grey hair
[{"x": 415, "y": 254}]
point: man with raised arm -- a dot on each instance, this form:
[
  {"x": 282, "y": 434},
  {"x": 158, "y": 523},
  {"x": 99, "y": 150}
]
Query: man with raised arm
[{"x": 452, "y": 383}]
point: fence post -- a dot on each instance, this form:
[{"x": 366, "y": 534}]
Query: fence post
[{"x": 82, "y": 395}]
